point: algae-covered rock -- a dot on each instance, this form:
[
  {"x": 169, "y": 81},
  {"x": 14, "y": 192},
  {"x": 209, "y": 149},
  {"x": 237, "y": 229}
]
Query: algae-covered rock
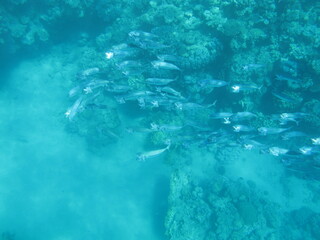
[
  {"x": 188, "y": 215},
  {"x": 198, "y": 52}
]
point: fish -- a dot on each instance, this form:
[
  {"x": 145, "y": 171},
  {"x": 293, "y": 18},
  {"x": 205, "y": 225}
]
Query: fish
[
  {"x": 285, "y": 121},
  {"x": 242, "y": 128},
  {"x": 79, "y": 105},
  {"x": 294, "y": 115},
  {"x": 289, "y": 66},
  {"x": 150, "y": 44},
  {"x": 287, "y": 79},
  {"x": 142, "y": 35},
  {"x": 236, "y": 88},
  {"x": 226, "y": 121},
  {"x": 164, "y": 65},
  {"x": 191, "y": 106},
  {"x": 74, "y": 109},
  {"x": 115, "y": 88},
  {"x": 169, "y": 92},
  {"x": 129, "y": 64},
  {"x": 136, "y": 129},
  {"x": 250, "y": 144},
  {"x": 133, "y": 96},
  {"x": 156, "y": 101},
  {"x": 252, "y": 66},
  {"x": 131, "y": 68},
  {"x": 96, "y": 83},
  {"x": 145, "y": 40},
  {"x": 276, "y": 151},
  {"x": 293, "y": 134},
  {"x": 242, "y": 116},
  {"x": 147, "y": 103},
  {"x": 271, "y": 130},
  {"x": 166, "y": 103},
  {"x": 108, "y": 132},
  {"x": 166, "y": 127},
  {"x": 88, "y": 72},
  {"x": 286, "y": 98},
  {"x": 74, "y": 91},
  {"x": 291, "y": 117},
  {"x": 159, "y": 81},
  {"x": 315, "y": 141},
  {"x": 122, "y": 51},
  {"x": 151, "y": 154},
  {"x": 214, "y": 83},
  {"x": 309, "y": 150}
]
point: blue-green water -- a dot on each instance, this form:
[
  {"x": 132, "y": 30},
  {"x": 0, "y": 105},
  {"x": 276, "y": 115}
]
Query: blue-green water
[
  {"x": 52, "y": 186},
  {"x": 111, "y": 120}
]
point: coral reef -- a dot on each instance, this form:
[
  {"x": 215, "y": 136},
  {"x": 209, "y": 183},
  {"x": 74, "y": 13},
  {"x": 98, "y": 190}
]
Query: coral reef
[{"x": 223, "y": 209}]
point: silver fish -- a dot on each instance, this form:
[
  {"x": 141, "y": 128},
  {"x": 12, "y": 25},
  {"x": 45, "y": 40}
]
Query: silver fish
[
  {"x": 286, "y": 98},
  {"x": 75, "y": 108},
  {"x": 191, "y": 106},
  {"x": 151, "y": 154},
  {"x": 129, "y": 64},
  {"x": 74, "y": 91},
  {"x": 136, "y": 129},
  {"x": 115, "y": 88},
  {"x": 165, "y": 127},
  {"x": 79, "y": 105},
  {"x": 88, "y": 72},
  {"x": 293, "y": 134},
  {"x": 276, "y": 151},
  {"x": 122, "y": 51},
  {"x": 285, "y": 121},
  {"x": 96, "y": 83},
  {"x": 242, "y": 116},
  {"x": 213, "y": 83},
  {"x": 236, "y": 88},
  {"x": 283, "y": 78},
  {"x": 142, "y": 35},
  {"x": 242, "y": 128},
  {"x": 250, "y": 144},
  {"x": 147, "y": 103},
  {"x": 133, "y": 96},
  {"x": 131, "y": 67},
  {"x": 145, "y": 40},
  {"x": 168, "y": 104},
  {"x": 170, "y": 91},
  {"x": 315, "y": 141},
  {"x": 271, "y": 130},
  {"x": 294, "y": 115},
  {"x": 164, "y": 65},
  {"x": 159, "y": 81},
  {"x": 309, "y": 150},
  {"x": 252, "y": 66}
]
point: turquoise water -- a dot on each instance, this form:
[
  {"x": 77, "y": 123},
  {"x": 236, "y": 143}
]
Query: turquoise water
[
  {"x": 142, "y": 159},
  {"x": 53, "y": 187}
]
